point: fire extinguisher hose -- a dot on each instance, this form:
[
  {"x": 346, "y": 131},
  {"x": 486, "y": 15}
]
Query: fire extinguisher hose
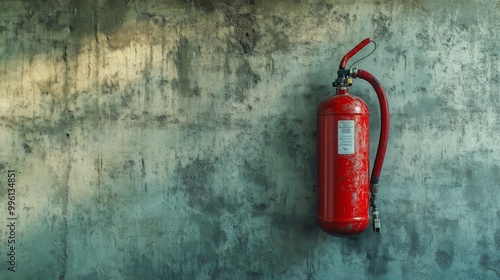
[{"x": 384, "y": 128}]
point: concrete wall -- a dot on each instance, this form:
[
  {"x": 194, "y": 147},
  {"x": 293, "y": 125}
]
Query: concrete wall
[{"x": 176, "y": 139}]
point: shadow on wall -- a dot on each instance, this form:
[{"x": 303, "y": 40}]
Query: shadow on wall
[{"x": 243, "y": 221}]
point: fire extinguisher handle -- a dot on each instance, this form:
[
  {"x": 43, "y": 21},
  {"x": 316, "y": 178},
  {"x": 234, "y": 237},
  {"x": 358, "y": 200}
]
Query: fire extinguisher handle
[{"x": 354, "y": 51}]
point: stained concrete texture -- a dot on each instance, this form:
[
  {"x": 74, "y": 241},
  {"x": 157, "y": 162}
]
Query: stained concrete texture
[{"x": 176, "y": 139}]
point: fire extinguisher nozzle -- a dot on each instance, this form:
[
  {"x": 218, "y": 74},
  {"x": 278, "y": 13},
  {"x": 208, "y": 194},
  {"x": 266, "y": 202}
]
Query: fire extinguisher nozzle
[{"x": 376, "y": 222}]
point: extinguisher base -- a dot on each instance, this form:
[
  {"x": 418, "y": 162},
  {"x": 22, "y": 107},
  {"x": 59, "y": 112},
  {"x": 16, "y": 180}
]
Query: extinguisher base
[{"x": 344, "y": 227}]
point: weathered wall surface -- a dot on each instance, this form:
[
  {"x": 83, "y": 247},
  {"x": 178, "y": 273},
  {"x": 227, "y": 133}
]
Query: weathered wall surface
[{"x": 176, "y": 139}]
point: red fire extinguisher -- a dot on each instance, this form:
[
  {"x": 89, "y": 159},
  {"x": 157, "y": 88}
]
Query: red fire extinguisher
[{"x": 345, "y": 191}]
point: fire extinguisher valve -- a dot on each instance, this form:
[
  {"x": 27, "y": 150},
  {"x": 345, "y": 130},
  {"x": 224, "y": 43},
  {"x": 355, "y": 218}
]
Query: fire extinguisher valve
[
  {"x": 343, "y": 82},
  {"x": 344, "y": 78},
  {"x": 344, "y": 72}
]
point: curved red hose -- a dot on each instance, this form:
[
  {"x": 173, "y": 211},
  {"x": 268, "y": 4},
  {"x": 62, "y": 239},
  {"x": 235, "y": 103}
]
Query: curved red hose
[
  {"x": 352, "y": 52},
  {"x": 385, "y": 122}
]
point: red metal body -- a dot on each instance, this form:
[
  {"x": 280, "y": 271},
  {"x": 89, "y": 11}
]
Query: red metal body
[{"x": 343, "y": 176}]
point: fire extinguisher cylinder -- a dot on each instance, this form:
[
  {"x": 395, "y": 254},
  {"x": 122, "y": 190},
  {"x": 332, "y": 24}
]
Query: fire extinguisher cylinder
[{"x": 345, "y": 190}]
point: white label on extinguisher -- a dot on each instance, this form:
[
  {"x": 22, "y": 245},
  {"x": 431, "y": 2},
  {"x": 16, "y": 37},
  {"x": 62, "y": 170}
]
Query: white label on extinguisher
[{"x": 346, "y": 137}]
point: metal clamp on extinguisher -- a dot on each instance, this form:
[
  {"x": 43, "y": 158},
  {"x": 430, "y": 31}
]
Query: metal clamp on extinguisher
[{"x": 345, "y": 190}]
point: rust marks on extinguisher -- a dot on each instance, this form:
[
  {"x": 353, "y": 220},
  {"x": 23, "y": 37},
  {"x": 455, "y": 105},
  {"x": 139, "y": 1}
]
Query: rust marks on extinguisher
[
  {"x": 354, "y": 200},
  {"x": 357, "y": 106}
]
